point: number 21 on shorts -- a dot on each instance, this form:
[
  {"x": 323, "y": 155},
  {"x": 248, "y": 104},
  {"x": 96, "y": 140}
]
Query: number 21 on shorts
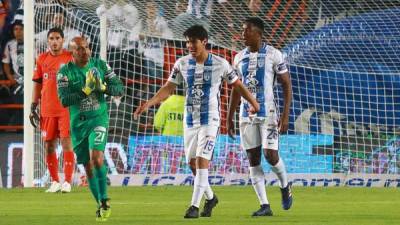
[{"x": 100, "y": 134}]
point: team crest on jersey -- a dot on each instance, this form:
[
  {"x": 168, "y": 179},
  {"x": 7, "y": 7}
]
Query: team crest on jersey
[
  {"x": 207, "y": 76},
  {"x": 260, "y": 62}
]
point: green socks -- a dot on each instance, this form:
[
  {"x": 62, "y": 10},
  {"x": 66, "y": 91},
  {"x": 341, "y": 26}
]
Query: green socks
[
  {"x": 94, "y": 186},
  {"x": 101, "y": 174}
]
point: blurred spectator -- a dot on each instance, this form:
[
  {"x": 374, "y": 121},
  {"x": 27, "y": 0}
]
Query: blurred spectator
[
  {"x": 19, "y": 13},
  {"x": 13, "y": 65},
  {"x": 152, "y": 43},
  {"x": 256, "y": 8},
  {"x": 123, "y": 24},
  {"x": 123, "y": 28},
  {"x": 58, "y": 20},
  {"x": 200, "y": 8},
  {"x": 13, "y": 59},
  {"x": 184, "y": 19},
  {"x": 169, "y": 117}
]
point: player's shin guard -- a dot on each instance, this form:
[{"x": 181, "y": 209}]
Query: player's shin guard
[
  {"x": 69, "y": 165},
  {"x": 52, "y": 165},
  {"x": 94, "y": 186},
  {"x": 280, "y": 171},
  {"x": 200, "y": 185},
  {"x": 101, "y": 174},
  {"x": 258, "y": 182}
]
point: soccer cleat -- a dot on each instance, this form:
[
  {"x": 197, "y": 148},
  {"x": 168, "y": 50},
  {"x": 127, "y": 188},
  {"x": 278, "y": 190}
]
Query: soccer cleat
[
  {"x": 99, "y": 216},
  {"x": 264, "y": 210},
  {"x": 66, "y": 187},
  {"x": 192, "y": 212},
  {"x": 54, "y": 187},
  {"x": 208, "y": 206},
  {"x": 287, "y": 198},
  {"x": 105, "y": 208}
]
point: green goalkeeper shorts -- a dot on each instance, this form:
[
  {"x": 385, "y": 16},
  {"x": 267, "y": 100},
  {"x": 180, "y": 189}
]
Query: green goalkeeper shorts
[{"x": 96, "y": 140}]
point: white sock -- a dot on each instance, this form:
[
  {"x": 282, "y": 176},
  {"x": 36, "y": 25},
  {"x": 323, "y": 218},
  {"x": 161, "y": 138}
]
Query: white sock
[
  {"x": 208, "y": 192},
  {"x": 258, "y": 182},
  {"x": 200, "y": 185},
  {"x": 280, "y": 170}
]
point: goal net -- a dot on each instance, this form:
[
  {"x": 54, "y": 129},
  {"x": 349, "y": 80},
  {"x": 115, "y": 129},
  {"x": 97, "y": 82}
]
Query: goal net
[{"x": 343, "y": 58}]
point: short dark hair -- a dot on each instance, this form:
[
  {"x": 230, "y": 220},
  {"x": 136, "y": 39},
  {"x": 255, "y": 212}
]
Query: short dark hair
[
  {"x": 18, "y": 23},
  {"x": 257, "y": 22},
  {"x": 196, "y": 32},
  {"x": 55, "y": 30}
]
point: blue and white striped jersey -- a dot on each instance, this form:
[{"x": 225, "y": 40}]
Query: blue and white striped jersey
[
  {"x": 258, "y": 71},
  {"x": 203, "y": 83}
]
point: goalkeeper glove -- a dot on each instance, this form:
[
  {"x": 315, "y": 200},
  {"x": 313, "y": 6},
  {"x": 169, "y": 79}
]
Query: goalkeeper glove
[
  {"x": 100, "y": 86},
  {"x": 90, "y": 84},
  {"x": 34, "y": 115}
]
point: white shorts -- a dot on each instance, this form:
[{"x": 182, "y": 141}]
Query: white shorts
[
  {"x": 263, "y": 133},
  {"x": 200, "y": 141}
]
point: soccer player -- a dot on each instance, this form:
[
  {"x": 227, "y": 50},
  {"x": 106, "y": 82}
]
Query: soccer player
[
  {"x": 54, "y": 118},
  {"x": 259, "y": 66},
  {"x": 202, "y": 73},
  {"x": 82, "y": 84}
]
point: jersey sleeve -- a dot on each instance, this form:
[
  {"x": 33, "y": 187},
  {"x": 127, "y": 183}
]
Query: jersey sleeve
[
  {"x": 280, "y": 66},
  {"x": 66, "y": 94},
  {"x": 236, "y": 66},
  {"x": 38, "y": 72},
  {"x": 114, "y": 85},
  {"x": 229, "y": 73},
  {"x": 176, "y": 74}
]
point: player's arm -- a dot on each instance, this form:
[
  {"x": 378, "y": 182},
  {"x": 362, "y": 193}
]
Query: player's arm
[
  {"x": 242, "y": 90},
  {"x": 284, "y": 79},
  {"x": 161, "y": 95},
  {"x": 36, "y": 94},
  {"x": 67, "y": 95},
  {"x": 233, "y": 104},
  {"x": 114, "y": 85},
  {"x": 160, "y": 118},
  {"x": 280, "y": 68}
]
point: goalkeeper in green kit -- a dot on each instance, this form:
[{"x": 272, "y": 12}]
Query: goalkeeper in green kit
[{"x": 81, "y": 85}]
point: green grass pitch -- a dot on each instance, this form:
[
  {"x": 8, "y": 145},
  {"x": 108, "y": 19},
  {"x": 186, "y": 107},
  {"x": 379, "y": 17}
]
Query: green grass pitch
[{"x": 167, "y": 204}]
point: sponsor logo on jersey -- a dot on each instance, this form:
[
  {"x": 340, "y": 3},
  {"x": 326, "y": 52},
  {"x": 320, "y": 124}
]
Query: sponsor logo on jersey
[{"x": 197, "y": 92}]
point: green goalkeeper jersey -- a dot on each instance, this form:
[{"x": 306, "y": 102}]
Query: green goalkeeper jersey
[{"x": 86, "y": 112}]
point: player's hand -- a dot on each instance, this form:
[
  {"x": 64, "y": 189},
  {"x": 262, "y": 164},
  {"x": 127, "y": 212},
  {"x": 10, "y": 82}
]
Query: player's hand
[
  {"x": 230, "y": 126},
  {"x": 139, "y": 110},
  {"x": 253, "y": 109},
  {"x": 100, "y": 85},
  {"x": 283, "y": 123},
  {"x": 34, "y": 115},
  {"x": 90, "y": 83}
]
